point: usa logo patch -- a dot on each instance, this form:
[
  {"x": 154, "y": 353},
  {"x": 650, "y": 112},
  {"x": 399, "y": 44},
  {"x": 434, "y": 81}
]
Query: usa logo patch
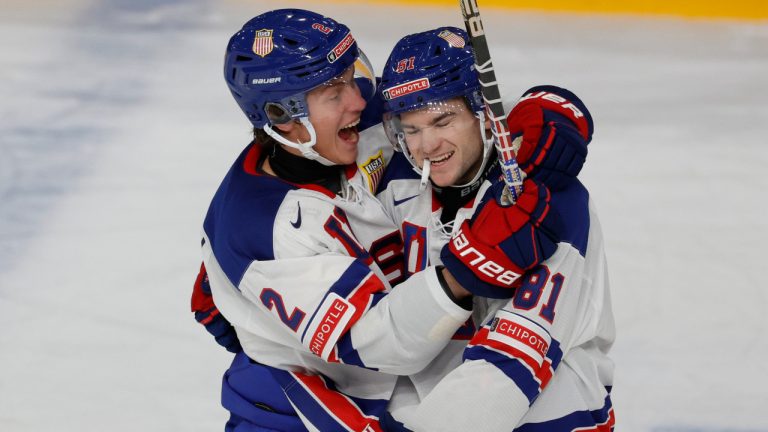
[
  {"x": 452, "y": 38},
  {"x": 374, "y": 170},
  {"x": 262, "y": 43}
]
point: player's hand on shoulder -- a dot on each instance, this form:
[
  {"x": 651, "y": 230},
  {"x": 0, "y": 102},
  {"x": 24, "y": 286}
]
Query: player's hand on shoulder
[
  {"x": 555, "y": 128},
  {"x": 207, "y": 314},
  {"x": 490, "y": 252}
]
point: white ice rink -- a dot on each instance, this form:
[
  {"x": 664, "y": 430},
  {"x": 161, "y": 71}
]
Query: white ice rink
[{"x": 116, "y": 127}]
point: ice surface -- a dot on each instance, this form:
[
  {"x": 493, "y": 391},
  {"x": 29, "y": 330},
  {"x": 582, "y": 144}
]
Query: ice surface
[{"x": 116, "y": 127}]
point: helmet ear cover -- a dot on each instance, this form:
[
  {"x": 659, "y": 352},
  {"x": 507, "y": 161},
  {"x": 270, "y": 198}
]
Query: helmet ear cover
[{"x": 276, "y": 113}]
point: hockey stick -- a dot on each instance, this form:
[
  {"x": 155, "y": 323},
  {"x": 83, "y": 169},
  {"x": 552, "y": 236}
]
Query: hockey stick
[{"x": 492, "y": 97}]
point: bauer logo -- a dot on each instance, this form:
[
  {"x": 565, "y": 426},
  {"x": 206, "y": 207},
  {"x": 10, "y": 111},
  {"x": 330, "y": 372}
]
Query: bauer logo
[
  {"x": 406, "y": 88},
  {"x": 487, "y": 269},
  {"x": 472, "y": 18},
  {"x": 556, "y": 99},
  {"x": 262, "y": 43},
  {"x": 341, "y": 48},
  {"x": 259, "y": 81}
]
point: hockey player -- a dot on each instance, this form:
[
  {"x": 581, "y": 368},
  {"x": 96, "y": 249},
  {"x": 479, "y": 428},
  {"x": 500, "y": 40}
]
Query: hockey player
[
  {"x": 539, "y": 360},
  {"x": 300, "y": 256}
]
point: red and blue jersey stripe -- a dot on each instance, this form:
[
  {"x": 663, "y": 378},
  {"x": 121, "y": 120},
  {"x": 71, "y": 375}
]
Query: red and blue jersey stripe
[
  {"x": 599, "y": 420},
  {"x": 529, "y": 373},
  {"x": 327, "y": 408}
]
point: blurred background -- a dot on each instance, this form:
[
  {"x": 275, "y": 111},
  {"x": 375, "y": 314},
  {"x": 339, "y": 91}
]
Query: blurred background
[{"x": 116, "y": 128}]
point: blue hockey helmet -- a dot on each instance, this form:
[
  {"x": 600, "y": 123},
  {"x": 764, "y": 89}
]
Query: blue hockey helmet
[
  {"x": 423, "y": 71},
  {"x": 278, "y": 56},
  {"x": 430, "y": 66}
]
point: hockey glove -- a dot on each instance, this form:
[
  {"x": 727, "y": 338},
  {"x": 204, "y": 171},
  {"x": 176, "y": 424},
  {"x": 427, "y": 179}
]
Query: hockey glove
[
  {"x": 207, "y": 314},
  {"x": 489, "y": 253},
  {"x": 555, "y": 128}
]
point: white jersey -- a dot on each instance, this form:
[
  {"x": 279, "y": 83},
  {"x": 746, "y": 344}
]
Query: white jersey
[
  {"x": 417, "y": 214},
  {"x": 305, "y": 277},
  {"x": 539, "y": 360}
]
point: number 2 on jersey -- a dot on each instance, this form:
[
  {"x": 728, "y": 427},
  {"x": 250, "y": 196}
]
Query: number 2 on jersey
[
  {"x": 272, "y": 298},
  {"x": 530, "y": 291}
]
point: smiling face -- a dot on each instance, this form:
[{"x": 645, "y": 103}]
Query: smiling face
[
  {"x": 334, "y": 111},
  {"x": 448, "y": 134}
]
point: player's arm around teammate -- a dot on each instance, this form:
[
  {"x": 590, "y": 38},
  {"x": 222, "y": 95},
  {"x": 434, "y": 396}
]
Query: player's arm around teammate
[{"x": 297, "y": 250}]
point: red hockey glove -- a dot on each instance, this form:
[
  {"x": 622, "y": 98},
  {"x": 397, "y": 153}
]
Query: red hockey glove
[
  {"x": 555, "y": 127},
  {"x": 489, "y": 253},
  {"x": 207, "y": 314}
]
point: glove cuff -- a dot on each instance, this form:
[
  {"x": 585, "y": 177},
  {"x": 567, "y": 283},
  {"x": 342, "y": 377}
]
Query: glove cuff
[{"x": 464, "y": 303}]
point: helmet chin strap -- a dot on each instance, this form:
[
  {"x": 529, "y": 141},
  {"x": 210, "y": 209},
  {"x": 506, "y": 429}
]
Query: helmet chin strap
[
  {"x": 306, "y": 148},
  {"x": 425, "y": 168}
]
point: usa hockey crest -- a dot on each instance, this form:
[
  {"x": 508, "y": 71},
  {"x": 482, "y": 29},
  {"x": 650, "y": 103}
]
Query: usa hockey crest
[
  {"x": 262, "y": 43},
  {"x": 373, "y": 169}
]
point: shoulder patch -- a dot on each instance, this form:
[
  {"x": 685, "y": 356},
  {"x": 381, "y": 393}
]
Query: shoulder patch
[{"x": 373, "y": 168}]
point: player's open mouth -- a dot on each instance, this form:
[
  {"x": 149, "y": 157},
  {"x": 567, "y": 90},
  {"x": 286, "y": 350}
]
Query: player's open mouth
[
  {"x": 439, "y": 160},
  {"x": 349, "y": 132}
]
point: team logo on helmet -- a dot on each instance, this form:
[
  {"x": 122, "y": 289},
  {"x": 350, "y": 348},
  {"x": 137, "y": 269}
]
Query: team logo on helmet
[
  {"x": 406, "y": 88},
  {"x": 452, "y": 38},
  {"x": 262, "y": 43},
  {"x": 341, "y": 48}
]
